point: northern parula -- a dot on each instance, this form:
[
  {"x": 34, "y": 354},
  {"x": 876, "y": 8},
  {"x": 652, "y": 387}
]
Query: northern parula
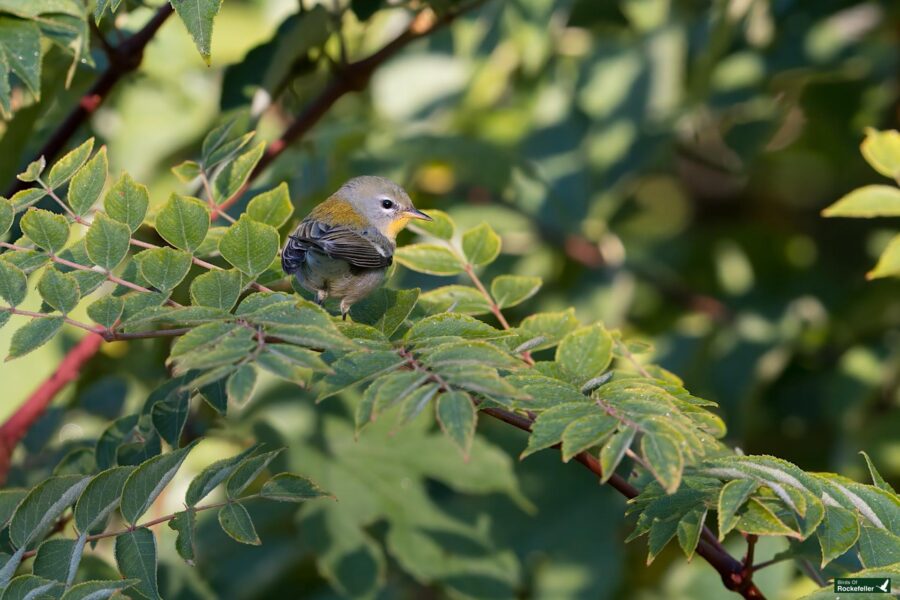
[{"x": 343, "y": 248}]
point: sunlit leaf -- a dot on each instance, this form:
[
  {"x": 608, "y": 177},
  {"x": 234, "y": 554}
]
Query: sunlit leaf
[
  {"x": 107, "y": 241},
  {"x": 236, "y": 522},
  {"x": 183, "y": 222},
  {"x": 88, "y": 183}
]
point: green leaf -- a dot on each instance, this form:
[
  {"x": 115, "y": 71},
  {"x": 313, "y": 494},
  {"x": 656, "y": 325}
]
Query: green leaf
[
  {"x": 249, "y": 246},
  {"x": 33, "y": 171},
  {"x": 227, "y": 150},
  {"x": 511, "y": 290},
  {"x": 881, "y": 149},
  {"x": 65, "y": 168},
  {"x": 441, "y": 226},
  {"x": 585, "y": 352},
  {"x": 481, "y": 245},
  {"x": 236, "y": 173},
  {"x": 197, "y": 16},
  {"x": 106, "y": 311},
  {"x": 54, "y": 559},
  {"x": 48, "y": 230},
  {"x": 877, "y": 480},
  {"x": 429, "y": 258},
  {"x": 136, "y": 557},
  {"x": 42, "y": 506},
  {"x": 164, "y": 268},
  {"x": 867, "y": 201},
  {"x": 613, "y": 450},
  {"x": 689, "y": 528},
  {"x": 889, "y": 261},
  {"x": 7, "y": 214},
  {"x": 97, "y": 590},
  {"x": 358, "y": 367},
  {"x": 107, "y": 241},
  {"x": 23, "y": 39},
  {"x": 288, "y": 487},
  {"x": 215, "y": 139},
  {"x": 210, "y": 477},
  {"x": 878, "y": 547},
  {"x": 185, "y": 523},
  {"x": 549, "y": 426},
  {"x": 212, "y": 345},
  {"x": 385, "y": 310},
  {"x": 187, "y": 171},
  {"x": 241, "y": 384},
  {"x": 100, "y": 497},
  {"x": 731, "y": 498},
  {"x": 147, "y": 481},
  {"x": 483, "y": 380},
  {"x": 183, "y": 222},
  {"x": 451, "y": 325},
  {"x": 169, "y": 418},
  {"x": 412, "y": 404},
  {"x": 457, "y": 417},
  {"x": 664, "y": 459},
  {"x": 472, "y": 352},
  {"x": 838, "y": 532},
  {"x": 28, "y": 587},
  {"x": 455, "y": 298},
  {"x": 13, "y": 283},
  {"x": 9, "y": 501},
  {"x": 302, "y": 357},
  {"x": 759, "y": 519},
  {"x": 552, "y": 327},
  {"x": 217, "y": 289},
  {"x": 586, "y": 432},
  {"x": 127, "y": 202},
  {"x": 236, "y": 522},
  {"x": 33, "y": 335},
  {"x": 273, "y": 207},
  {"x": 88, "y": 182},
  {"x": 27, "y": 197},
  {"x": 246, "y": 473},
  {"x": 394, "y": 387},
  {"x": 59, "y": 290}
]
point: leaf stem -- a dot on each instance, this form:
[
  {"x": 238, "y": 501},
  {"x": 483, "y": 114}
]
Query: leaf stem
[{"x": 495, "y": 308}]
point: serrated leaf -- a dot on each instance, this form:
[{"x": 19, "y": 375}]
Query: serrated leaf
[
  {"x": 246, "y": 473},
  {"x": 585, "y": 352},
  {"x": 866, "y": 202},
  {"x": 511, "y": 290},
  {"x": 48, "y": 230},
  {"x": 127, "y": 202},
  {"x": 65, "y": 167},
  {"x": 358, "y": 367},
  {"x": 689, "y": 528},
  {"x": 302, "y": 357},
  {"x": 217, "y": 289},
  {"x": 481, "y": 245},
  {"x": 183, "y": 222},
  {"x": 197, "y": 16},
  {"x": 455, "y": 298},
  {"x": 288, "y": 487},
  {"x": 889, "y": 262},
  {"x": 482, "y": 379},
  {"x": 106, "y": 311},
  {"x": 240, "y": 385},
  {"x": 451, "y": 325},
  {"x": 441, "y": 225},
  {"x": 100, "y": 497},
  {"x": 23, "y": 38},
  {"x": 758, "y": 519},
  {"x": 59, "y": 290},
  {"x": 413, "y": 404},
  {"x": 236, "y": 522},
  {"x": 107, "y": 242},
  {"x": 33, "y": 335},
  {"x": 147, "y": 481},
  {"x": 7, "y": 214},
  {"x": 9, "y": 501},
  {"x": 53, "y": 560},
  {"x": 97, "y": 590},
  {"x": 549, "y": 426},
  {"x": 731, "y": 498},
  {"x": 223, "y": 352},
  {"x": 457, "y": 417},
  {"x": 42, "y": 506},
  {"x": 210, "y": 477},
  {"x": 877, "y": 480},
  {"x": 394, "y": 387},
  {"x": 878, "y": 548},
  {"x": 552, "y": 327},
  {"x": 13, "y": 283},
  {"x": 184, "y": 524},
  {"x": 136, "y": 558},
  {"x": 169, "y": 418},
  {"x": 29, "y": 587},
  {"x": 472, "y": 352},
  {"x": 26, "y": 198},
  {"x": 187, "y": 171},
  {"x": 839, "y": 531},
  {"x": 881, "y": 149},
  {"x": 613, "y": 450},
  {"x": 429, "y": 258},
  {"x": 88, "y": 183},
  {"x": 163, "y": 268},
  {"x": 385, "y": 310},
  {"x": 661, "y": 532},
  {"x": 273, "y": 207},
  {"x": 249, "y": 246},
  {"x": 236, "y": 173},
  {"x": 586, "y": 432},
  {"x": 33, "y": 171},
  {"x": 663, "y": 456}
]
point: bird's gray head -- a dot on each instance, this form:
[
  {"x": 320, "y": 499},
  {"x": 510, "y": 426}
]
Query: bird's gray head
[{"x": 384, "y": 204}]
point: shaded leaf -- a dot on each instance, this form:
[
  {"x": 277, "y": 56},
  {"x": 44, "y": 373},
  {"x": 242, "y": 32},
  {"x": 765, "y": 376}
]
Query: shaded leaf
[
  {"x": 106, "y": 310},
  {"x": 240, "y": 385},
  {"x": 147, "y": 481},
  {"x": 97, "y": 590},
  {"x": 288, "y": 487},
  {"x": 42, "y": 506},
  {"x": 217, "y": 289},
  {"x": 613, "y": 450},
  {"x": 210, "y": 477},
  {"x": 163, "y": 268},
  {"x": 100, "y": 497},
  {"x": 33, "y": 335},
  {"x": 731, "y": 498},
  {"x": 247, "y": 471},
  {"x": 839, "y": 531},
  {"x": 184, "y": 524},
  {"x": 136, "y": 557},
  {"x": 235, "y": 173},
  {"x": 236, "y": 522},
  {"x": 457, "y": 417}
]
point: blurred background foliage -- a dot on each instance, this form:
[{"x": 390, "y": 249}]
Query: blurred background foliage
[{"x": 660, "y": 163}]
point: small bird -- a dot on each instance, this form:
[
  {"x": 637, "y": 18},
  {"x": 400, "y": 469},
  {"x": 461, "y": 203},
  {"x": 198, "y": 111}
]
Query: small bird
[{"x": 343, "y": 248}]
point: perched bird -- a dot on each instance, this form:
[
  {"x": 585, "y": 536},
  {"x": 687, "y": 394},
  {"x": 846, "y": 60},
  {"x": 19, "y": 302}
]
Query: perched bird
[{"x": 343, "y": 248}]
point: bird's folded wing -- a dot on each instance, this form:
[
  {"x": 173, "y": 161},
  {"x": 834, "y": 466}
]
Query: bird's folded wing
[{"x": 339, "y": 243}]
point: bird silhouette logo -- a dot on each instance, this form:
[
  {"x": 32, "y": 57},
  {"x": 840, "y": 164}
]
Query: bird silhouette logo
[{"x": 885, "y": 587}]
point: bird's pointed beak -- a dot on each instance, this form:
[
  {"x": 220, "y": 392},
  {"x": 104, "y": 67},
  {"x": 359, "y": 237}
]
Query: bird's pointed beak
[{"x": 415, "y": 213}]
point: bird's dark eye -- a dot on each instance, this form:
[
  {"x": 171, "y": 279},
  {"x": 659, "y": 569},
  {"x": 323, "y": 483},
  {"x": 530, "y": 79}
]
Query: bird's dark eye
[{"x": 387, "y": 204}]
